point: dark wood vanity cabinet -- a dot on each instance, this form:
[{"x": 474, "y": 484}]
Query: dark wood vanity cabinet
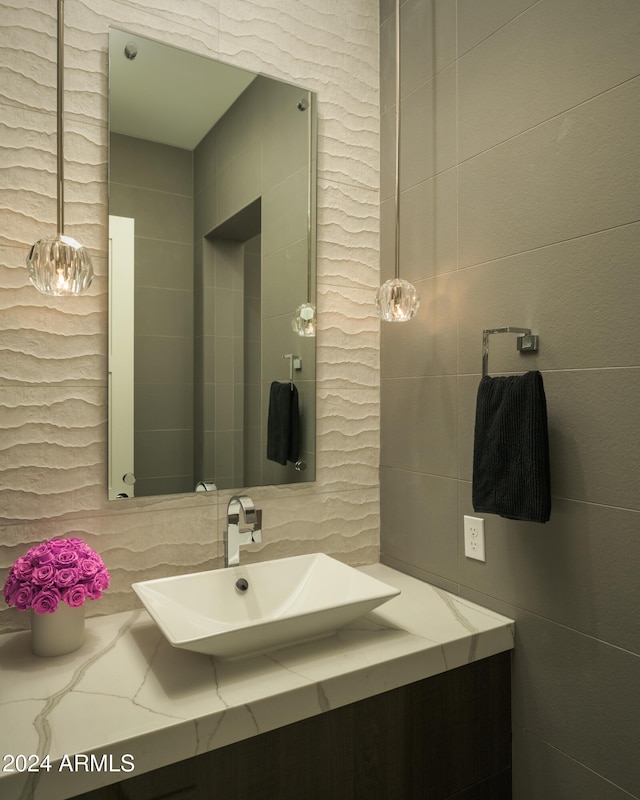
[{"x": 447, "y": 737}]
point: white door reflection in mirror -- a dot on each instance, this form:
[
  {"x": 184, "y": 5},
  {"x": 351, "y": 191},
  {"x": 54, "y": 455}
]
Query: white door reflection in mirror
[{"x": 121, "y": 314}]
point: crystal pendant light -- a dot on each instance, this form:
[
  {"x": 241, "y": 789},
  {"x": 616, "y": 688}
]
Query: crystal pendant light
[
  {"x": 304, "y": 318},
  {"x": 397, "y": 300},
  {"x": 59, "y": 265}
]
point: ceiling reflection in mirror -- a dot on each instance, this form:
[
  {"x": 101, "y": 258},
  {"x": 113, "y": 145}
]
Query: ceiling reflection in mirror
[{"x": 212, "y": 182}]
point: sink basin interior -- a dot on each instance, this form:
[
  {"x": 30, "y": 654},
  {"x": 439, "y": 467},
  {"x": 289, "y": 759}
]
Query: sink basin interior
[{"x": 287, "y": 600}]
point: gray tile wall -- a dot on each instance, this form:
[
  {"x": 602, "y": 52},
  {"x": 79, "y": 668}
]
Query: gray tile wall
[
  {"x": 219, "y": 367},
  {"x": 259, "y": 150},
  {"x": 253, "y": 448},
  {"x": 153, "y": 183},
  {"x": 520, "y": 206}
]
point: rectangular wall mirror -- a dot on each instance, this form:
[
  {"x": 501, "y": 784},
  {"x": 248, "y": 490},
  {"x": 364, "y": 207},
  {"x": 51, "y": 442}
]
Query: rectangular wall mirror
[{"x": 212, "y": 191}]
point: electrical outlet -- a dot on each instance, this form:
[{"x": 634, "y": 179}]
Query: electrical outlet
[{"x": 474, "y": 538}]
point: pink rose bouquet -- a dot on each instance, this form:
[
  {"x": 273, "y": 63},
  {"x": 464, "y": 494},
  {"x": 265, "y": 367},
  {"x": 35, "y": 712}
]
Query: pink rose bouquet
[{"x": 58, "y": 570}]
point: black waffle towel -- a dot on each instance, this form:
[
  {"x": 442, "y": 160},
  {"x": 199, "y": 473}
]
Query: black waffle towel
[
  {"x": 283, "y": 424},
  {"x": 511, "y": 448}
]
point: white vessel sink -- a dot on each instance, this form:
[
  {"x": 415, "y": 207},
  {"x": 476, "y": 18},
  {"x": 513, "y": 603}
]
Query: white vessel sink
[{"x": 287, "y": 601}]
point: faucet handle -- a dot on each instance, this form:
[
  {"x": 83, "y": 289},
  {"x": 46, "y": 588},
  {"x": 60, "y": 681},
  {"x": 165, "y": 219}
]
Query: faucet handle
[
  {"x": 251, "y": 514},
  {"x": 256, "y": 532}
]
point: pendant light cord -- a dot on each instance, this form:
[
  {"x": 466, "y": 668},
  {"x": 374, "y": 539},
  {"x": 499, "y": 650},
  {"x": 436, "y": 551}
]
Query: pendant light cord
[
  {"x": 309, "y": 199},
  {"x": 397, "y": 188},
  {"x": 60, "y": 117}
]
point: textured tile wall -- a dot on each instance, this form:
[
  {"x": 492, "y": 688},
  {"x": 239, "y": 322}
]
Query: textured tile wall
[
  {"x": 53, "y": 367},
  {"x": 520, "y": 206}
]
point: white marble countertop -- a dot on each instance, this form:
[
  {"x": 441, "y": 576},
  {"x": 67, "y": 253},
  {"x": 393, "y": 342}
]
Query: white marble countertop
[{"x": 135, "y": 703}]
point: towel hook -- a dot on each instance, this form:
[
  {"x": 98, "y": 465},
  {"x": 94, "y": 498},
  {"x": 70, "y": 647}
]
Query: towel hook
[
  {"x": 527, "y": 343},
  {"x": 295, "y": 362}
]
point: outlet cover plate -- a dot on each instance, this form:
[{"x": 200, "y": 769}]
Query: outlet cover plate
[{"x": 474, "y": 538}]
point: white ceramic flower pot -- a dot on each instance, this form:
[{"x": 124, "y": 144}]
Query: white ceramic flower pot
[{"x": 58, "y": 633}]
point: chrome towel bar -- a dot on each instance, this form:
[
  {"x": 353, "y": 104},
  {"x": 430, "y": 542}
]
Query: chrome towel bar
[
  {"x": 527, "y": 343},
  {"x": 295, "y": 362}
]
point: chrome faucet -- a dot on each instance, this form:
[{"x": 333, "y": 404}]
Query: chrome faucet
[{"x": 244, "y": 522}]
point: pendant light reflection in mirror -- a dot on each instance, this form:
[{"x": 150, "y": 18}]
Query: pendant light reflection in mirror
[{"x": 304, "y": 318}]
